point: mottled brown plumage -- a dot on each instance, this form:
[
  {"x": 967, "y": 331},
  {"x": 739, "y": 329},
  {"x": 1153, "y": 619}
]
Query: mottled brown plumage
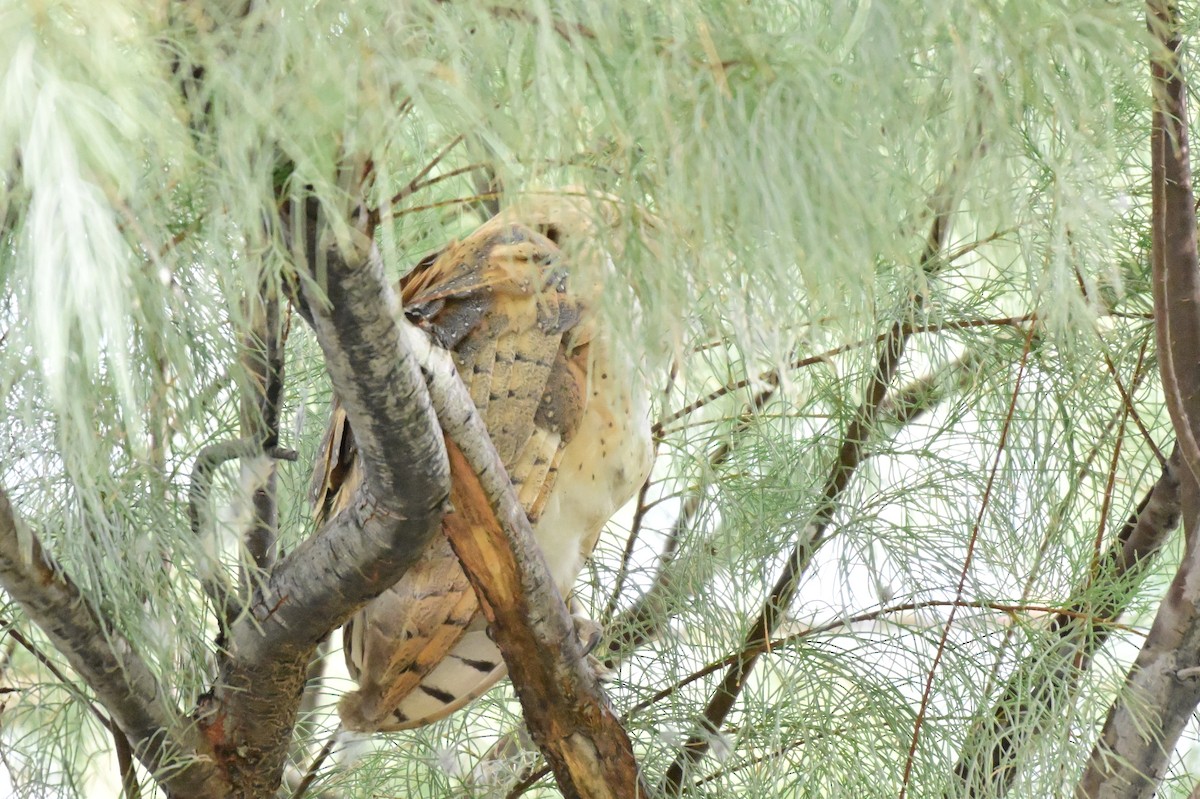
[{"x": 567, "y": 418}]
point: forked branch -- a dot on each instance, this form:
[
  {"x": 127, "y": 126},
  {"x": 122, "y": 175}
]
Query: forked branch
[
  {"x": 1162, "y": 690},
  {"x": 361, "y": 551}
]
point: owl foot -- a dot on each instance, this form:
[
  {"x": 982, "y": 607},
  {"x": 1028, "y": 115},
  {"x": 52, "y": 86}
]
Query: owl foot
[{"x": 589, "y": 633}]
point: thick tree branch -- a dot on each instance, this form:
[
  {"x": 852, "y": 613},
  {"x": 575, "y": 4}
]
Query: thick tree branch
[
  {"x": 565, "y": 709},
  {"x": 1176, "y": 277},
  {"x": 362, "y": 551},
  {"x": 1163, "y": 686},
  {"x": 406, "y": 486},
  {"x": 170, "y": 746}
]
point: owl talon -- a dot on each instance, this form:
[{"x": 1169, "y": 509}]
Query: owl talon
[{"x": 587, "y": 631}]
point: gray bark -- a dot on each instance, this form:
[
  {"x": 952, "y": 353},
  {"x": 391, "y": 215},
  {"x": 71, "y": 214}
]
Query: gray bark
[{"x": 359, "y": 553}]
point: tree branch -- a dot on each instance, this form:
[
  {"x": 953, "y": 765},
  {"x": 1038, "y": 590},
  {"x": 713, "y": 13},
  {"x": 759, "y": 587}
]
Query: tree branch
[
  {"x": 1176, "y": 276},
  {"x": 406, "y": 485},
  {"x": 1162, "y": 690},
  {"x": 565, "y": 709},
  {"x": 986, "y": 766},
  {"x": 130, "y": 788},
  {"x": 360, "y": 552},
  {"x": 168, "y": 745}
]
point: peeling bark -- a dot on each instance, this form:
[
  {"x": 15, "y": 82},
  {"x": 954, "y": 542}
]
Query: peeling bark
[
  {"x": 567, "y": 713},
  {"x": 568, "y": 716}
]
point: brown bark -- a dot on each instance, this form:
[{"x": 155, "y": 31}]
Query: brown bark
[
  {"x": 568, "y": 716},
  {"x": 1163, "y": 686},
  {"x": 566, "y": 711}
]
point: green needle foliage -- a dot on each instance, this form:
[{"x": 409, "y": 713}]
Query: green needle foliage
[{"x": 781, "y": 165}]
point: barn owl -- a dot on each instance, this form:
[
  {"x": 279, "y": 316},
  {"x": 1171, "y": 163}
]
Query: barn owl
[{"x": 516, "y": 304}]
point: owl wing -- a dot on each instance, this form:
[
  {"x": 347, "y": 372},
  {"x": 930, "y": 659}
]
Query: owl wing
[{"x": 499, "y": 301}]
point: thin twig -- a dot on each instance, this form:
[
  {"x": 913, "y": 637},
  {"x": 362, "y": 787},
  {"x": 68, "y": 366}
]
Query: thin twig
[
  {"x": 441, "y": 177},
  {"x": 569, "y": 31},
  {"x": 777, "y": 645},
  {"x": 772, "y": 376},
  {"x": 42, "y": 658},
  {"x": 129, "y": 781},
  {"x": 226, "y": 604},
  {"x": 310, "y": 773},
  {"x": 927, "y": 693},
  {"x": 849, "y": 456},
  {"x": 414, "y": 185},
  {"x": 1126, "y": 395},
  {"x": 447, "y": 203},
  {"x": 639, "y": 515},
  {"x": 638, "y": 622},
  {"x": 776, "y": 753}
]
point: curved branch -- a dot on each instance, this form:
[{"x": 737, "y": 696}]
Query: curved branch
[{"x": 363, "y": 550}]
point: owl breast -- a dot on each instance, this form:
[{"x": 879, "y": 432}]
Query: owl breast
[{"x": 602, "y": 467}]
